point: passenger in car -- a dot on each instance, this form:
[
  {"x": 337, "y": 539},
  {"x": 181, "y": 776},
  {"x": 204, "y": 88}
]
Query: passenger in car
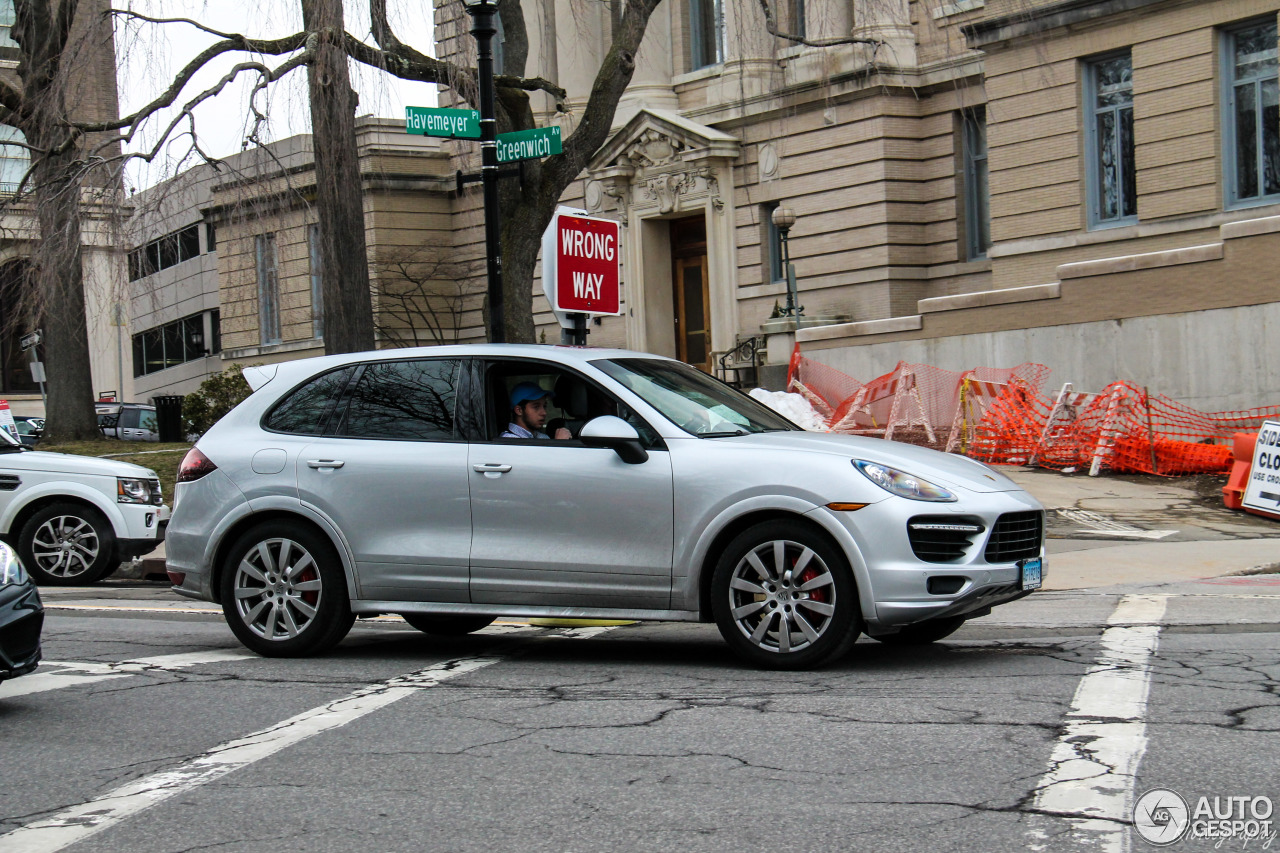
[{"x": 529, "y": 413}]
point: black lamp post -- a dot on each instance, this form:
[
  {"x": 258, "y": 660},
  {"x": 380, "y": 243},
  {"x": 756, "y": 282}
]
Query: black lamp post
[
  {"x": 783, "y": 219},
  {"x": 484, "y": 28}
]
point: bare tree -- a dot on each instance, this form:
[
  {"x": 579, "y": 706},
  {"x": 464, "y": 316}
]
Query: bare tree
[{"x": 421, "y": 298}]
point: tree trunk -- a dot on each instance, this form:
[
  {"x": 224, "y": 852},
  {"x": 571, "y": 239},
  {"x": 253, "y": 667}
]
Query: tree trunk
[
  {"x": 57, "y": 273},
  {"x": 348, "y": 305},
  {"x": 59, "y": 280}
]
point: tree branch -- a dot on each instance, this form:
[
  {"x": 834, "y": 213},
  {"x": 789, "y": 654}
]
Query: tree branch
[{"x": 771, "y": 25}]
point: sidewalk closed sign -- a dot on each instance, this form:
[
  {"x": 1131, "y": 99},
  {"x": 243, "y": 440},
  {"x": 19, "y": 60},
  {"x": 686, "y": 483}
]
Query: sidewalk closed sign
[{"x": 1262, "y": 492}]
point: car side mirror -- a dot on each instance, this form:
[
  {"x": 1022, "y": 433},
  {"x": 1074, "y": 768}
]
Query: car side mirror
[{"x": 615, "y": 433}]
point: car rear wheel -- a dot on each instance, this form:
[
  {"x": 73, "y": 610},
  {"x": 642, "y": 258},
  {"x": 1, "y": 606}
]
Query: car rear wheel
[
  {"x": 923, "y": 633},
  {"x": 283, "y": 591},
  {"x": 784, "y": 598},
  {"x": 447, "y": 625},
  {"x": 67, "y": 544}
]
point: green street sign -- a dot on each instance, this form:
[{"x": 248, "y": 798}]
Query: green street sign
[
  {"x": 428, "y": 121},
  {"x": 529, "y": 144}
]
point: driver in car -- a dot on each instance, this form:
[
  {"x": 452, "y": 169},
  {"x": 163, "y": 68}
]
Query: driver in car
[{"x": 529, "y": 413}]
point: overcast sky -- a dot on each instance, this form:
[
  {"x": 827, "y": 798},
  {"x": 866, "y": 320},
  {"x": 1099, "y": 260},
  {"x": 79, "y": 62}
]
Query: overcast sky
[{"x": 150, "y": 56}]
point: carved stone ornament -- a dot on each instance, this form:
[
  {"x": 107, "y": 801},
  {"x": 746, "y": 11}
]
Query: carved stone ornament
[
  {"x": 653, "y": 149},
  {"x": 666, "y": 189},
  {"x": 594, "y": 196},
  {"x": 768, "y": 162}
]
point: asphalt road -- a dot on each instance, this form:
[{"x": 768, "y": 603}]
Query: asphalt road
[{"x": 643, "y": 737}]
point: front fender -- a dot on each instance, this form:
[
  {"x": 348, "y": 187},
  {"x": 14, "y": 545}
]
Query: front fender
[{"x": 67, "y": 489}]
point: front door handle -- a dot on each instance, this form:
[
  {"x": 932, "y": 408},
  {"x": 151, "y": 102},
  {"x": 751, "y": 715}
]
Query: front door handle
[
  {"x": 491, "y": 469},
  {"x": 325, "y": 463}
]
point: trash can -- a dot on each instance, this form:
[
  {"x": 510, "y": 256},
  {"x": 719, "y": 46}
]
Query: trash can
[{"x": 169, "y": 416}]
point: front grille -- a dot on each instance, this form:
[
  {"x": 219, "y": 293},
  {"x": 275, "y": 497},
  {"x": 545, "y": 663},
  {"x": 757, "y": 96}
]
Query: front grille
[
  {"x": 9, "y": 482},
  {"x": 19, "y": 640},
  {"x": 1016, "y": 536},
  {"x": 942, "y": 538}
]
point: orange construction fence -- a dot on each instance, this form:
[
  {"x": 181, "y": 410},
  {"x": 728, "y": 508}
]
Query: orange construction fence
[{"x": 1002, "y": 416}]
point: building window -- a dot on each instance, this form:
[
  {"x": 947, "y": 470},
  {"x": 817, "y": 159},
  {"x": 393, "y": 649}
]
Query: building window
[
  {"x": 1112, "y": 178},
  {"x": 7, "y": 20},
  {"x": 268, "y": 290},
  {"x": 796, "y": 18},
  {"x": 771, "y": 255},
  {"x": 706, "y": 33},
  {"x": 164, "y": 252},
  {"x": 1252, "y": 120},
  {"x": 15, "y": 160},
  {"x": 210, "y": 237},
  {"x": 317, "y": 281},
  {"x": 498, "y": 46},
  {"x": 215, "y": 331},
  {"x": 169, "y": 345},
  {"x": 977, "y": 195}
]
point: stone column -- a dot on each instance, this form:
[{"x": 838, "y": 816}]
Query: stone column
[
  {"x": 889, "y": 21},
  {"x": 651, "y": 83},
  {"x": 581, "y": 37}
]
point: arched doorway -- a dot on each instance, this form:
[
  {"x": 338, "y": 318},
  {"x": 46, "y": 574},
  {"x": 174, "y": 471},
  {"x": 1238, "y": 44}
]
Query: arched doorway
[{"x": 15, "y": 309}]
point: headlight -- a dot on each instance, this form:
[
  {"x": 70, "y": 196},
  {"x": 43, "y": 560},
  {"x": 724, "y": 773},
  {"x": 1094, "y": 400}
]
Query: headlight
[
  {"x": 901, "y": 483},
  {"x": 133, "y": 491},
  {"x": 11, "y": 571}
]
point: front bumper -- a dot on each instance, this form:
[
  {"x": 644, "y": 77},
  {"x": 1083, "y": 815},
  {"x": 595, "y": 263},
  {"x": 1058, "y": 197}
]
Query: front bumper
[
  {"x": 127, "y": 549},
  {"x": 901, "y": 586},
  {"x": 21, "y": 620}
]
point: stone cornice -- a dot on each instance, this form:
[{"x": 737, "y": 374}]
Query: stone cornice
[{"x": 989, "y": 32}]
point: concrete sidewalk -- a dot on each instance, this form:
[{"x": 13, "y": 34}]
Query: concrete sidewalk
[{"x": 1104, "y": 531}]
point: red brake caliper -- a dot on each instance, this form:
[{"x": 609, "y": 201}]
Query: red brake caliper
[
  {"x": 815, "y": 594},
  {"x": 310, "y": 596}
]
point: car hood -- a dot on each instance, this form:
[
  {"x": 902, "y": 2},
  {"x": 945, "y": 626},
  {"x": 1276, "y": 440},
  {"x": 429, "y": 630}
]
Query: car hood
[
  {"x": 68, "y": 463},
  {"x": 945, "y": 469}
]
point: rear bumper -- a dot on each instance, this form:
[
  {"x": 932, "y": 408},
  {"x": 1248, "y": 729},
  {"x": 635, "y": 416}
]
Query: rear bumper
[{"x": 21, "y": 620}]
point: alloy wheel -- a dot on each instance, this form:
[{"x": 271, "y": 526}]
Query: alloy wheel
[
  {"x": 782, "y": 596},
  {"x": 277, "y": 589},
  {"x": 65, "y": 546}
]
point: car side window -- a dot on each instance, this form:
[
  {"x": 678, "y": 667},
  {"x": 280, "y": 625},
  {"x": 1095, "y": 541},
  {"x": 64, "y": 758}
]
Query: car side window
[
  {"x": 147, "y": 420},
  {"x": 574, "y": 400},
  {"x": 412, "y": 400},
  {"x": 306, "y": 410},
  {"x": 129, "y": 419}
]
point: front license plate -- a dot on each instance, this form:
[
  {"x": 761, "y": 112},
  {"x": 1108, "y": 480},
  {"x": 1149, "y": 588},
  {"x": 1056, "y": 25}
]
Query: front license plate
[{"x": 1031, "y": 575}]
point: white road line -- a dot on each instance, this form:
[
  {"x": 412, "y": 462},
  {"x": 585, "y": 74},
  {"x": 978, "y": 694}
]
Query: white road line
[
  {"x": 1095, "y": 762},
  {"x": 1100, "y": 525},
  {"x": 79, "y": 822},
  {"x": 77, "y": 673}
]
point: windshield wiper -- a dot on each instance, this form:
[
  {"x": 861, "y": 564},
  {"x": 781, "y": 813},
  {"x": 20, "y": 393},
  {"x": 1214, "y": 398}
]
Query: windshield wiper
[{"x": 722, "y": 434}]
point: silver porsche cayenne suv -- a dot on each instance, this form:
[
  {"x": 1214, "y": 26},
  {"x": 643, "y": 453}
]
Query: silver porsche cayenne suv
[{"x": 380, "y": 482}]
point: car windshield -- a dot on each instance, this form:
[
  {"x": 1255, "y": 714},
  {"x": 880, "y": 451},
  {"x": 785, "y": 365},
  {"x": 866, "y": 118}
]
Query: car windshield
[
  {"x": 691, "y": 399},
  {"x": 8, "y": 442}
]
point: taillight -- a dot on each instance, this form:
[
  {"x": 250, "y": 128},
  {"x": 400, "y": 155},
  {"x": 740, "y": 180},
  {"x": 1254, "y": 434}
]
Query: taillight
[{"x": 194, "y": 466}]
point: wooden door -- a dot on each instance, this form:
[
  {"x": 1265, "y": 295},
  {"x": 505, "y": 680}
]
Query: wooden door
[{"x": 691, "y": 291}]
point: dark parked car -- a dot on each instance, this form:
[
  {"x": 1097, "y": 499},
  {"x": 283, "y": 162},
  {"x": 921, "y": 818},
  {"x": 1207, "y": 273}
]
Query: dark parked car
[{"x": 21, "y": 617}]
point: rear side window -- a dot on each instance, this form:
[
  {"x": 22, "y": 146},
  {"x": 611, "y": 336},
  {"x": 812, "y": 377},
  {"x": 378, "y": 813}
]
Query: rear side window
[
  {"x": 306, "y": 410},
  {"x": 129, "y": 419},
  {"x": 147, "y": 420},
  {"x": 405, "y": 400}
]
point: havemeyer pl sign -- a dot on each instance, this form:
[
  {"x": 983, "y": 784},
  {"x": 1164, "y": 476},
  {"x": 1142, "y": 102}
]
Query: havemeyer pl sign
[{"x": 581, "y": 256}]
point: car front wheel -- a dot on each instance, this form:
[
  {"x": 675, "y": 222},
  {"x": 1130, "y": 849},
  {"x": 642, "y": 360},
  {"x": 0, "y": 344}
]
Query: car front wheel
[
  {"x": 68, "y": 544},
  {"x": 283, "y": 591},
  {"x": 447, "y": 625},
  {"x": 784, "y": 598}
]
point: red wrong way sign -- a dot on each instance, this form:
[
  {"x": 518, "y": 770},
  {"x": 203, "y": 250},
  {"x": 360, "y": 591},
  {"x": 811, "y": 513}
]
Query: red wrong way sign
[{"x": 588, "y": 253}]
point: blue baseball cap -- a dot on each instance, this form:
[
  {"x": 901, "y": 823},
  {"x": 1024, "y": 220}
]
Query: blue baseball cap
[{"x": 527, "y": 392}]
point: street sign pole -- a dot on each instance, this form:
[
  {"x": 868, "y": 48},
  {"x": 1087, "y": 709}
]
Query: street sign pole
[{"x": 484, "y": 29}]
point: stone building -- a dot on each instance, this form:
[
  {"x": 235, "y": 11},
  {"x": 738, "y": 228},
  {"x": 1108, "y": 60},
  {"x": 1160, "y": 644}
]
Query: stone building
[{"x": 1088, "y": 184}]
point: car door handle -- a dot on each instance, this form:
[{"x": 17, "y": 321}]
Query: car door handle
[
  {"x": 493, "y": 468},
  {"x": 325, "y": 463}
]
